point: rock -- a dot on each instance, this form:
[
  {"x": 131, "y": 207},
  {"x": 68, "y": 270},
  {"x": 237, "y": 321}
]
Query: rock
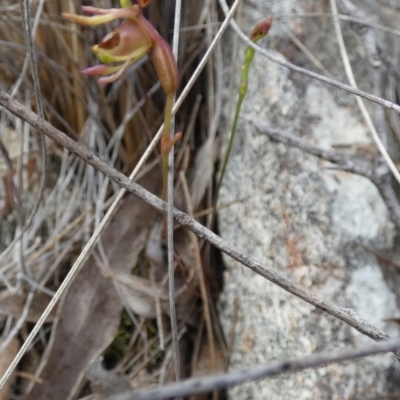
[{"x": 303, "y": 219}]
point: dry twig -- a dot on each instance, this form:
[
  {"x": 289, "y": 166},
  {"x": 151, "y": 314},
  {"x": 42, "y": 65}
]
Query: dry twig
[{"x": 344, "y": 314}]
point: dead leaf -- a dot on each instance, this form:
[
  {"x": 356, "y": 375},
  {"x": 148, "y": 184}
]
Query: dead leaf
[
  {"x": 12, "y": 305},
  {"x": 5, "y": 360},
  {"x": 91, "y": 309}
]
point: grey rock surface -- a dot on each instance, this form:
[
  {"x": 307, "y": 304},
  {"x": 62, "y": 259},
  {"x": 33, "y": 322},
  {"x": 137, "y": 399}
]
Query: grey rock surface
[{"x": 303, "y": 219}]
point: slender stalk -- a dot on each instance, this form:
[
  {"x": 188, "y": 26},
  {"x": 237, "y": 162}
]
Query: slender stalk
[
  {"x": 260, "y": 31},
  {"x": 228, "y": 151}
]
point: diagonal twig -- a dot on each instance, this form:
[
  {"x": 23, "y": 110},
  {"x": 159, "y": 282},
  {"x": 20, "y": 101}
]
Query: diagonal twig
[
  {"x": 344, "y": 314},
  {"x": 377, "y": 173},
  {"x": 356, "y": 166}
]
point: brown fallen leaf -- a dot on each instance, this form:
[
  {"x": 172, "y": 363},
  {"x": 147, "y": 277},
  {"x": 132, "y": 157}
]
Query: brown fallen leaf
[
  {"x": 5, "y": 360},
  {"x": 91, "y": 309},
  {"x": 12, "y": 305}
]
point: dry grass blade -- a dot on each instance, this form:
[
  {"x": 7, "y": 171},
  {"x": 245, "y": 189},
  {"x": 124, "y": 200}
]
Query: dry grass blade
[{"x": 200, "y": 273}]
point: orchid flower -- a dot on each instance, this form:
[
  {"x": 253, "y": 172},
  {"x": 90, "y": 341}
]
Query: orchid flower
[{"x": 130, "y": 41}]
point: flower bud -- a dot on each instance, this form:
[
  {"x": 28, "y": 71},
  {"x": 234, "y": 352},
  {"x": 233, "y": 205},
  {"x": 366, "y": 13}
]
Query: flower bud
[
  {"x": 165, "y": 66},
  {"x": 261, "y": 30}
]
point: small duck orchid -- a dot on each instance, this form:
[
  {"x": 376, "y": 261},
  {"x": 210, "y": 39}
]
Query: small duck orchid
[{"x": 130, "y": 41}]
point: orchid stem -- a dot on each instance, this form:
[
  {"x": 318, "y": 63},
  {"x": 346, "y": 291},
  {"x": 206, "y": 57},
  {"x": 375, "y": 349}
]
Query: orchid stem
[
  {"x": 258, "y": 33},
  {"x": 230, "y": 146}
]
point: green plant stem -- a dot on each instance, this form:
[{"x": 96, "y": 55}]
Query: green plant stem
[{"x": 244, "y": 80}]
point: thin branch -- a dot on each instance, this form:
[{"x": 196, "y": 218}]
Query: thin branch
[
  {"x": 378, "y": 172},
  {"x": 321, "y": 78},
  {"x": 344, "y": 314},
  {"x": 357, "y": 20},
  {"x": 209, "y": 383},
  {"x": 356, "y": 166}
]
